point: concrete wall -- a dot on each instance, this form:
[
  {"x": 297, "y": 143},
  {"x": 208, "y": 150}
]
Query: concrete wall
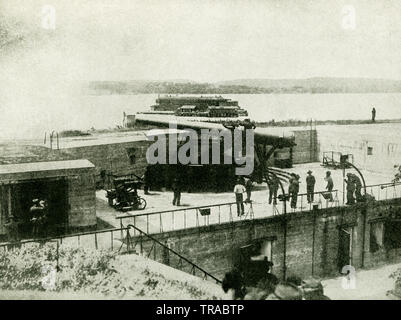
[
  {"x": 82, "y": 200},
  {"x": 312, "y": 241},
  {"x": 384, "y": 143},
  {"x": 113, "y": 158}
]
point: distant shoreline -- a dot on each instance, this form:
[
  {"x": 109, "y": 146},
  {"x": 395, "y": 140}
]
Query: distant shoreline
[
  {"x": 286, "y": 123},
  {"x": 299, "y": 123}
]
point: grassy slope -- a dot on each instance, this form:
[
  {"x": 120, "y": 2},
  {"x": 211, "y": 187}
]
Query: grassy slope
[{"x": 142, "y": 279}]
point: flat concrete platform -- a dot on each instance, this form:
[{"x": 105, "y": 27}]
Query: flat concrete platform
[{"x": 188, "y": 215}]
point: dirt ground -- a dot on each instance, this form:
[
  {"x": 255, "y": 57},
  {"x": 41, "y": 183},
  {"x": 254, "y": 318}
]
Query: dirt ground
[
  {"x": 161, "y": 201},
  {"x": 369, "y": 285}
]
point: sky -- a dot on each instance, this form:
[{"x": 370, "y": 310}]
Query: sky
[
  {"x": 213, "y": 40},
  {"x": 44, "y": 60}
]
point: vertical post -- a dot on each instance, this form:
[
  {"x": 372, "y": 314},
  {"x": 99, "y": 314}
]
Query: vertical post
[
  {"x": 96, "y": 241},
  {"x": 313, "y": 242},
  {"x": 302, "y": 197},
  {"x": 9, "y": 204},
  {"x": 57, "y": 257},
  {"x": 111, "y": 238},
  {"x": 128, "y": 241},
  {"x": 147, "y": 224},
  {"x": 1, "y": 207}
]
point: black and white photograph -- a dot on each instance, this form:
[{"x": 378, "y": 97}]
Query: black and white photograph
[{"x": 213, "y": 150}]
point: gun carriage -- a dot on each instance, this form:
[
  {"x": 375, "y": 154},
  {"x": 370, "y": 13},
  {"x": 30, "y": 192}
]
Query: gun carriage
[{"x": 124, "y": 196}]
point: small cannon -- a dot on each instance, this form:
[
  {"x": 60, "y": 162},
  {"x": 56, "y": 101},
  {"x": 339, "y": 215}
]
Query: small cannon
[{"x": 124, "y": 196}]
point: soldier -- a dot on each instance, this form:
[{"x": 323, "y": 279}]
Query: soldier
[
  {"x": 177, "y": 192},
  {"x": 273, "y": 187},
  {"x": 147, "y": 181},
  {"x": 239, "y": 189},
  {"x": 350, "y": 189},
  {"x": 330, "y": 184},
  {"x": 43, "y": 219},
  {"x": 248, "y": 188},
  {"x": 310, "y": 186},
  {"x": 373, "y": 114},
  {"x": 358, "y": 188},
  {"x": 36, "y": 213},
  {"x": 293, "y": 189}
]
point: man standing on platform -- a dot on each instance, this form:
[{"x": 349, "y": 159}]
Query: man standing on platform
[
  {"x": 350, "y": 189},
  {"x": 177, "y": 192},
  {"x": 248, "y": 188},
  {"x": 239, "y": 189},
  {"x": 310, "y": 186},
  {"x": 273, "y": 188},
  {"x": 293, "y": 189},
  {"x": 330, "y": 185}
]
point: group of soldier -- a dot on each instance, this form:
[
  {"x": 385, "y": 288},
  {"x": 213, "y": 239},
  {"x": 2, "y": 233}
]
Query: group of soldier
[
  {"x": 35, "y": 221},
  {"x": 353, "y": 187}
]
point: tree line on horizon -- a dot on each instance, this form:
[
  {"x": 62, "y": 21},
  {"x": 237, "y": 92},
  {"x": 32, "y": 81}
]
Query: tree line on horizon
[{"x": 169, "y": 87}]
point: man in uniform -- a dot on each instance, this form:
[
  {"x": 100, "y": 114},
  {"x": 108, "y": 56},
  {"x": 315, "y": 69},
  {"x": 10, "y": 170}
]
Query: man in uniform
[
  {"x": 310, "y": 186},
  {"x": 330, "y": 184},
  {"x": 147, "y": 181},
  {"x": 239, "y": 189},
  {"x": 36, "y": 213},
  {"x": 350, "y": 189},
  {"x": 358, "y": 187},
  {"x": 176, "y": 186},
  {"x": 273, "y": 187},
  {"x": 248, "y": 188},
  {"x": 293, "y": 189}
]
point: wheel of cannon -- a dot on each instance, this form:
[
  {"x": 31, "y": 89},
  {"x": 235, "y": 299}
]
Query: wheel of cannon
[{"x": 141, "y": 204}]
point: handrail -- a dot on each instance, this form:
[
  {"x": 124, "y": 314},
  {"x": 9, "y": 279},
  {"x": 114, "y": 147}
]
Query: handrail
[
  {"x": 384, "y": 184},
  {"x": 175, "y": 252},
  {"x": 316, "y": 192},
  {"x": 62, "y": 236},
  {"x": 173, "y": 210}
]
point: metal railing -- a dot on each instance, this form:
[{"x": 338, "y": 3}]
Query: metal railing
[
  {"x": 190, "y": 217},
  {"x": 92, "y": 239},
  {"x": 131, "y": 244},
  {"x": 384, "y": 191},
  {"x": 321, "y": 200},
  {"x": 137, "y": 244}
]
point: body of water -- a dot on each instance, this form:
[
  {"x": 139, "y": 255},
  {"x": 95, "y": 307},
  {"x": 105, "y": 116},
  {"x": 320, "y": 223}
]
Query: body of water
[
  {"x": 265, "y": 107},
  {"x": 106, "y": 111}
]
